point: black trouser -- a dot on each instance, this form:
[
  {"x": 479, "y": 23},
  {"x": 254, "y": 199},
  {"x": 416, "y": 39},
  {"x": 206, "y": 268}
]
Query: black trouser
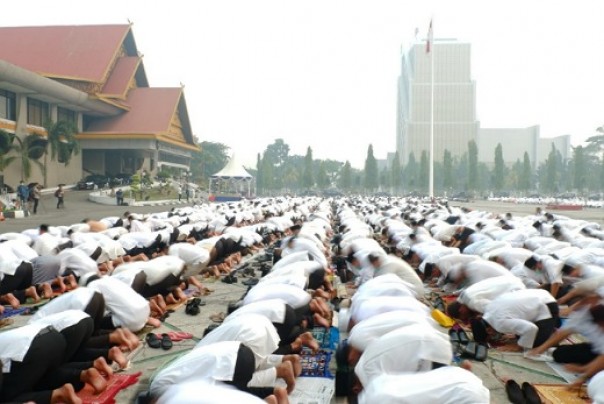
[
  {"x": 60, "y": 202},
  {"x": 96, "y": 310},
  {"x": 17, "y": 283},
  {"x": 76, "y": 336},
  {"x": 546, "y": 329},
  {"x": 139, "y": 282},
  {"x": 244, "y": 368},
  {"x": 36, "y": 201},
  {"x": 578, "y": 353},
  {"x": 555, "y": 312},
  {"x": 288, "y": 330},
  {"x": 164, "y": 287},
  {"x": 45, "y": 353}
]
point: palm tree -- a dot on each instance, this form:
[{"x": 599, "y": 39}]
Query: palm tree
[
  {"x": 29, "y": 150},
  {"x": 61, "y": 138},
  {"x": 6, "y": 146}
]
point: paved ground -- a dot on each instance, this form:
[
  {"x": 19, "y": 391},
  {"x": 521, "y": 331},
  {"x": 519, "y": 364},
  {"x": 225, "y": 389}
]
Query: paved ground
[{"x": 498, "y": 367}]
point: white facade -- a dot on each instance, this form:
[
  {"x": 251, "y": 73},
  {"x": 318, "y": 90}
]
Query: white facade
[{"x": 455, "y": 121}]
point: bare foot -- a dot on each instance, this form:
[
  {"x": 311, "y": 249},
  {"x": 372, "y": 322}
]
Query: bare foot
[
  {"x": 116, "y": 355},
  {"x": 1, "y": 309},
  {"x": 71, "y": 282},
  {"x": 12, "y": 300},
  {"x": 46, "y": 290},
  {"x": 467, "y": 365},
  {"x": 307, "y": 340},
  {"x": 285, "y": 371},
  {"x": 65, "y": 395},
  {"x": 296, "y": 363},
  {"x": 281, "y": 395},
  {"x": 94, "y": 378},
  {"x": 155, "y": 323},
  {"x": 133, "y": 341},
  {"x": 318, "y": 320},
  {"x": 156, "y": 311},
  {"x": 195, "y": 282},
  {"x": 170, "y": 299},
  {"x": 33, "y": 293},
  {"x": 103, "y": 367},
  {"x": 271, "y": 399},
  {"x": 179, "y": 294},
  {"x": 60, "y": 284}
]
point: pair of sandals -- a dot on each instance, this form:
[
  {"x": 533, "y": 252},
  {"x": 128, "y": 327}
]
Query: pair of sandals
[
  {"x": 192, "y": 307},
  {"x": 230, "y": 278},
  {"x": 527, "y": 394},
  {"x": 165, "y": 342},
  {"x": 465, "y": 348}
]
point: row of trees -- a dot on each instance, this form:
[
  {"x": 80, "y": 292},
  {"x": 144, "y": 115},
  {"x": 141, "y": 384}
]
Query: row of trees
[
  {"x": 60, "y": 142},
  {"x": 278, "y": 171}
]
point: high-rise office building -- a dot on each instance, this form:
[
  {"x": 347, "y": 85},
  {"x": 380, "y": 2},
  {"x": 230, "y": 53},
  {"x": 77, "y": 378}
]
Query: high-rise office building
[{"x": 455, "y": 122}]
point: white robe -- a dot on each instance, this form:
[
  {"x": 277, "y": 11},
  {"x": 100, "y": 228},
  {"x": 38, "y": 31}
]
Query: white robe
[
  {"x": 289, "y": 294},
  {"x": 447, "y": 385},
  {"x": 201, "y": 392},
  {"x": 407, "y": 349},
  {"x": 211, "y": 363},
  {"x": 15, "y": 343},
  {"x": 77, "y": 299},
  {"x": 128, "y": 309}
]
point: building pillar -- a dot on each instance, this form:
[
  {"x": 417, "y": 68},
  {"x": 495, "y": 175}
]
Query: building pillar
[
  {"x": 21, "y": 111},
  {"x": 54, "y": 112}
]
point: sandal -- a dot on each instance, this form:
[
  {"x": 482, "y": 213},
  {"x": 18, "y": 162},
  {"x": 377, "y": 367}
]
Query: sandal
[
  {"x": 514, "y": 392},
  {"x": 192, "y": 307},
  {"x": 153, "y": 341},
  {"x": 475, "y": 351},
  {"x": 166, "y": 342},
  {"x": 217, "y": 317}
]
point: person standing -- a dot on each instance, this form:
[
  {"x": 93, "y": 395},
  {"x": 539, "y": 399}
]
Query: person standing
[
  {"x": 36, "y": 195},
  {"x": 23, "y": 194},
  {"x": 119, "y": 195},
  {"x": 60, "y": 194}
]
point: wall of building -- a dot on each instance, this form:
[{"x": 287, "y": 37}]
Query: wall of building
[{"x": 514, "y": 143}]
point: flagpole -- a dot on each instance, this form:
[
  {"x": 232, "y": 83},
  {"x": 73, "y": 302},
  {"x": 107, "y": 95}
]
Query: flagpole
[{"x": 431, "y": 186}]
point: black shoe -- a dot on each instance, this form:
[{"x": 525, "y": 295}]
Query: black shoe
[
  {"x": 514, "y": 392},
  {"x": 250, "y": 282},
  {"x": 530, "y": 394},
  {"x": 229, "y": 279}
]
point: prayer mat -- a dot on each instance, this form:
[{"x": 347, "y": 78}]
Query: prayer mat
[
  {"x": 315, "y": 365},
  {"x": 115, "y": 384},
  {"x": 560, "y": 394},
  {"x": 10, "y": 312},
  {"x": 5, "y": 322}
]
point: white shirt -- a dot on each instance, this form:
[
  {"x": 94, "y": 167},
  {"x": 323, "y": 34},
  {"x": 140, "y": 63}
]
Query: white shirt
[
  {"x": 273, "y": 309},
  {"x": 15, "y": 343},
  {"x": 395, "y": 265},
  {"x": 407, "y": 349},
  {"x": 480, "y": 294},
  {"x": 78, "y": 261},
  {"x": 516, "y": 313},
  {"x": 60, "y": 321},
  {"x": 201, "y": 392},
  {"x": 367, "y": 331},
  {"x": 77, "y": 299},
  {"x": 190, "y": 253},
  {"x": 211, "y": 363},
  {"x": 128, "y": 309},
  {"x": 289, "y": 294},
  {"x": 372, "y": 307},
  {"x": 447, "y": 385},
  {"x": 581, "y": 322}
]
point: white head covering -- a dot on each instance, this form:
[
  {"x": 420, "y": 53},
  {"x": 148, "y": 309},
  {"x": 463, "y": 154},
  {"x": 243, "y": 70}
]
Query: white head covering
[
  {"x": 211, "y": 363},
  {"x": 407, "y": 349},
  {"x": 447, "y": 385},
  {"x": 254, "y": 330}
]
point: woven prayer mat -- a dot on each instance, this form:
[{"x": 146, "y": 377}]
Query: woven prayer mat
[
  {"x": 115, "y": 384},
  {"x": 561, "y": 394},
  {"x": 10, "y": 312}
]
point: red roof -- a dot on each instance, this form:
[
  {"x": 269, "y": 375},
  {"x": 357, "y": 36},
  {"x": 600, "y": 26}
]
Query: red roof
[
  {"x": 120, "y": 77},
  {"x": 151, "y": 111},
  {"x": 73, "y": 52}
]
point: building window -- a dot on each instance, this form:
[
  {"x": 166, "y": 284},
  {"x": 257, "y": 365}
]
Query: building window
[
  {"x": 8, "y": 105},
  {"x": 67, "y": 115},
  {"x": 37, "y": 112}
]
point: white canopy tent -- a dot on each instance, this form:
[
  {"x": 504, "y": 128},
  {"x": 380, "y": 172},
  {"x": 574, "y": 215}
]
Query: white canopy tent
[{"x": 232, "y": 182}]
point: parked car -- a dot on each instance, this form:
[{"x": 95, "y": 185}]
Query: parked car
[
  {"x": 120, "y": 180},
  {"x": 93, "y": 181}
]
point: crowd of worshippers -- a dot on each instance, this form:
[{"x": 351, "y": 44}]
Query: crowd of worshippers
[{"x": 115, "y": 275}]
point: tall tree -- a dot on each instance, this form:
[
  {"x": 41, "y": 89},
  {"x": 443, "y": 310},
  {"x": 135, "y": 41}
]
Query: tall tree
[
  {"x": 6, "y": 146},
  {"x": 62, "y": 142},
  {"x": 472, "y": 165},
  {"x": 371, "y": 170},
  {"x": 211, "y": 159},
  {"x": 447, "y": 170},
  {"x": 551, "y": 175},
  {"x": 579, "y": 168},
  {"x": 499, "y": 169},
  {"x": 424, "y": 170},
  {"x": 29, "y": 150},
  {"x": 308, "y": 178},
  {"x": 267, "y": 174},
  {"x": 346, "y": 176},
  {"x": 322, "y": 178},
  {"x": 259, "y": 173},
  {"x": 527, "y": 173},
  {"x": 396, "y": 173},
  {"x": 277, "y": 152}
]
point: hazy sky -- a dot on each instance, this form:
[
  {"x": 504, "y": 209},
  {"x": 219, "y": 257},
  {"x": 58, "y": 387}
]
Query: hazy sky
[{"x": 323, "y": 73}]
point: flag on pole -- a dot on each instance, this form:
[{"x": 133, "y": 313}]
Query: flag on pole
[{"x": 430, "y": 38}]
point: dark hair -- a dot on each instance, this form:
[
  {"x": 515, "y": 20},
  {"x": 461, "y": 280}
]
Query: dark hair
[
  {"x": 479, "y": 330},
  {"x": 453, "y": 309},
  {"x": 531, "y": 263},
  {"x": 428, "y": 268},
  {"x": 567, "y": 269},
  {"x": 597, "y": 313},
  {"x": 373, "y": 258},
  {"x": 43, "y": 227}
]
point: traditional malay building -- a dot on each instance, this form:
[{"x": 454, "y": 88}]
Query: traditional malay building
[{"x": 94, "y": 77}]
